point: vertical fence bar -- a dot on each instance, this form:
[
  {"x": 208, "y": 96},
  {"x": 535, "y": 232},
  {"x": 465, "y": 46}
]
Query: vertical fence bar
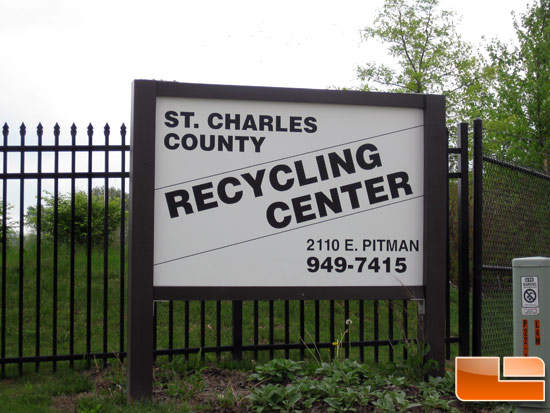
[
  {"x": 23, "y": 132},
  {"x": 203, "y": 326},
  {"x": 107, "y": 132},
  {"x": 362, "y": 330},
  {"x": 405, "y": 326},
  {"x": 5, "y": 132},
  {"x": 122, "y": 237},
  {"x": 287, "y": 328},
  {"x": 89, "y": 249},
  {"x": 376, "y": 332},
  {"x": 186, "y": 329},
  {"x": 256, "y": 329},
  {"x": 347, "y": 336},
  {"x": 170, "y": 328},
  {"x": 331, "y": 327},
  {"x": 448, "y": 263},
  {"x": 218, "y": 329},
  {"x": 72, "y": 246},
  {"x": 271, "y": 330},
  {"x": 478, "y": 237},
  {"x": 390, "y": 328},
  {"x": 302, "y": 330},
  {"x": 55, "y": 240},
  {"x": 40, "y": 133},
  {"x": 448, "y": 299},
  {"x": 237, "y": 330},
  {"x": 463, "y": 245}
]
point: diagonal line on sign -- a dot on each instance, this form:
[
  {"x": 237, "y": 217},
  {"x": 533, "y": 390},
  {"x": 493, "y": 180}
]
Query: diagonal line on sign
[
  {"x": 290, "y": 157},
  {"x": 285, "y": 231}
]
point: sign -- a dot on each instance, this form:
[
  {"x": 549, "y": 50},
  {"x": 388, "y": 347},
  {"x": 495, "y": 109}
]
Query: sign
[
  {"x": 256, "y": 193},
  {"x": 253, "y": 193},
  {"x": 529, "y": 295}
]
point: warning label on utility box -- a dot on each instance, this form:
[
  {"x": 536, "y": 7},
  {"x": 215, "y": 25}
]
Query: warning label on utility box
[{"x": 529, "y": 295}]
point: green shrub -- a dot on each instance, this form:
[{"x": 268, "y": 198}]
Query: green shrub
[{"x": 80, "y": 224}]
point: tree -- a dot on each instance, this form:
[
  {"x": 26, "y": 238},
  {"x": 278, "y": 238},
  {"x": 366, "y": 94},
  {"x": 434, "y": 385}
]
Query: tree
[
  {"x": 114, "y": 193},
  {"x": 9, "y": 224},
  {"x": 519, "y": 108},
  {"x": 430, "y": 56},
  {"x": 81, "y": 216}
]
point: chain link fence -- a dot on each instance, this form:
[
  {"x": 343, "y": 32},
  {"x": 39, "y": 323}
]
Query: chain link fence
[{"x": 516, "y": 223}]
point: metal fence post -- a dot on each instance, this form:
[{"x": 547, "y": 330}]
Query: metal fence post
[
  {"x": 478, "y": 237},
  {"x": 463, "y": 245}
]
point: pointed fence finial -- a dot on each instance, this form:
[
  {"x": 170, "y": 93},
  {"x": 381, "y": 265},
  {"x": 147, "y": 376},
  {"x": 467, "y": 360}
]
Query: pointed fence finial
[
  {"x": 107, "y": 132},
  {"x": 39, "y": 133},
  {"x": 73, "y": 133},
  {"x": 22, "y": 133},
  {"x": 56, "y": 132},
  {"x": 90, "y": 133}
]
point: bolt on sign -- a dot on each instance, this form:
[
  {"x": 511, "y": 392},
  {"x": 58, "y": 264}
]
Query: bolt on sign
[{"x": 251, "y": 193}]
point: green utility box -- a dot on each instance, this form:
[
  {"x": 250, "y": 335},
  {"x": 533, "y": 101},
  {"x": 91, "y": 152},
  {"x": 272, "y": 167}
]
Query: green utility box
[{"x": 531, "y": 291}]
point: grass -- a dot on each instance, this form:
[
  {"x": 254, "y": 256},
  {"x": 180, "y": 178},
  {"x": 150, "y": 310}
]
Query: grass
[
  {"x": 44, "y": 281},
  {"x": 73, "y": 390},
  {"x": 280, "y": 385},
  {"x": 36, "y": 392},
  {"x": 198, "y": 336}
]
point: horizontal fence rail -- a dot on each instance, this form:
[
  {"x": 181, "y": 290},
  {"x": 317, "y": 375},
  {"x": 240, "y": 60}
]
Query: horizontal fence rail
[{"x": 64, "y": 268}]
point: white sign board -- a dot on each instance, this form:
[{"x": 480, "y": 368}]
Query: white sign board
[{"x": 257, "y": 193}]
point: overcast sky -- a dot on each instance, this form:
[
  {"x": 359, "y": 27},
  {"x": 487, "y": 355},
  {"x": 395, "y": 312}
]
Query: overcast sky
[{"x": 74, "y": 61}]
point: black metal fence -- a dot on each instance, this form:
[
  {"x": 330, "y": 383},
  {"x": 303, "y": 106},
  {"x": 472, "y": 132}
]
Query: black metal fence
[
  {"x": 63, "y": 273},
  {"x": 51, "y": 305},
  {"x": 514, "y": 223}
]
